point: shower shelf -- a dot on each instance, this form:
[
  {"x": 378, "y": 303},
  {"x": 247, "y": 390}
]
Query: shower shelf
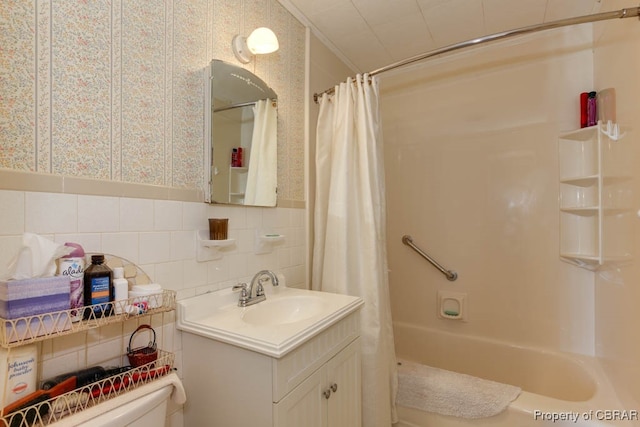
[{"x": 595, "y": 197}]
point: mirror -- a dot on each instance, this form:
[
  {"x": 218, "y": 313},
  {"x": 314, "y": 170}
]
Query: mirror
[{"x": 243, "y": 137}]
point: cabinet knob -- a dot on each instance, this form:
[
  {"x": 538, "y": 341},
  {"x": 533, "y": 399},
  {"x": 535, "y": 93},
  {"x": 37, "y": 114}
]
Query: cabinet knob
[{"x": 332, "y": 388}]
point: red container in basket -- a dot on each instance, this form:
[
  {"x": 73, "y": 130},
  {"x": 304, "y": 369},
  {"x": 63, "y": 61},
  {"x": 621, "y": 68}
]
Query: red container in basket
[{"x": 142, "y": 355}]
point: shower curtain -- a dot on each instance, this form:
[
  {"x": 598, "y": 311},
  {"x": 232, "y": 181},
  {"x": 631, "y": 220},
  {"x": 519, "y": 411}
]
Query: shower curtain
[
  {"x": 349, "y": 255},
  {"x": 262, "y": 174}
]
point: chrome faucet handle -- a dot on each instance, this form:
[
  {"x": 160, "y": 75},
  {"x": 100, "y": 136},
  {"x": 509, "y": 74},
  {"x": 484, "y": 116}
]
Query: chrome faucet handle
[
  {"x": 239, "y": 287},
  {"x": 244, "y": 293},
  {"x": 259, "y": 289}
]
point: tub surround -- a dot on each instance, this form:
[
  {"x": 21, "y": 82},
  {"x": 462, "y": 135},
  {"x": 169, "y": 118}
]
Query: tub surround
[{"x": 616, "y": 64}]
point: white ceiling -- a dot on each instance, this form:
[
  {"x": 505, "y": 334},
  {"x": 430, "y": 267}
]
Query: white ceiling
[{"x": 369, "y": 34}]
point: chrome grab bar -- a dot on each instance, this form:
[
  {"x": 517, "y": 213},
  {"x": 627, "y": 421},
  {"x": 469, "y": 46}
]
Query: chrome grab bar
[{"x": 451, "y": 275}]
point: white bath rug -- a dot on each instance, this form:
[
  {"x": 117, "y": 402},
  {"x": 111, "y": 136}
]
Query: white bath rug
[{"x": 450, "y": 393}]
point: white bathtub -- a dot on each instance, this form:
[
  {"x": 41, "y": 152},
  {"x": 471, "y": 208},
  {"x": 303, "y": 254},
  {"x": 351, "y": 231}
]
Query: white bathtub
[{"x": 553, "y": 384}]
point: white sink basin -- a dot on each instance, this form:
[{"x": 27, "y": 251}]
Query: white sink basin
[
  {"x": 284, "y": 310},
  {"x": 286, "y": 319}
]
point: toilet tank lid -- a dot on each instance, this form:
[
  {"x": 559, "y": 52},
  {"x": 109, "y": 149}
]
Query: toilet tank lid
[{"x": 178, "y": 396}]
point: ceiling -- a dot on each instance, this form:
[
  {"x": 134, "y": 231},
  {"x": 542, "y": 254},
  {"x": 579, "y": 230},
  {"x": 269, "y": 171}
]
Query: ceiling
[{"x": 369, "y": 34}]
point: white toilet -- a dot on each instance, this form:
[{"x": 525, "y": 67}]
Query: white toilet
[{"x": 144, "y": 406}]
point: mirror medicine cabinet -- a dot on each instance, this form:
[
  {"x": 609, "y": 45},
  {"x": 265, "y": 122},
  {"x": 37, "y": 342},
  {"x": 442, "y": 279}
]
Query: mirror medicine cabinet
[{"x": 241, "y": 149}]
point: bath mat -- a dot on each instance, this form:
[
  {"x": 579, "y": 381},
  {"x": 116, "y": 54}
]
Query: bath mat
[{"x": 450, "y": 393}]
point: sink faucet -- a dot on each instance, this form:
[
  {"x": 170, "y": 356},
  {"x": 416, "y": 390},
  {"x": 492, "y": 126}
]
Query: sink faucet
[
  {"x": 247, "y": 297},
  {"x": 270, "y": 275}
]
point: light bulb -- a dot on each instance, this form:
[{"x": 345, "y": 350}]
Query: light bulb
[{"x": 262, "y": 40}]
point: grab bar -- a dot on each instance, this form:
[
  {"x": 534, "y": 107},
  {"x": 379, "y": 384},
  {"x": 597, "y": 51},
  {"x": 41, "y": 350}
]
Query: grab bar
[{"x": 451, "y": 275}]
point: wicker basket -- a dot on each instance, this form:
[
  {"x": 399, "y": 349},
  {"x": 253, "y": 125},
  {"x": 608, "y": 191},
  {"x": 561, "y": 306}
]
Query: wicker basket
[{"x": 142, "y": 355}]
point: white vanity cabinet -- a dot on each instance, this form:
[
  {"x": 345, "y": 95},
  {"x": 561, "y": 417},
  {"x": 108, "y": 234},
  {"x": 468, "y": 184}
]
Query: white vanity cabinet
[
  {"x": 329, "y": 397},
  {"x": 315, "y": 384}
]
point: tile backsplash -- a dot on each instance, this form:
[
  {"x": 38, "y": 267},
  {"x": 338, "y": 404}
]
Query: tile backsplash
[{"x": 160, "y": 236}]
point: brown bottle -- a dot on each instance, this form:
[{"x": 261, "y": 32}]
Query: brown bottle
[{"x": 98, "y": 289}]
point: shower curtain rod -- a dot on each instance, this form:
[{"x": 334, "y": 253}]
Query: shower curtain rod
[
  {"x": 244, "y": 104},
  {"x": 622, "y": 13}
]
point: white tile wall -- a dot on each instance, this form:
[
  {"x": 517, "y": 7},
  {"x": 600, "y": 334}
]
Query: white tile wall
[
  {"x": 159, "y": 236},
  {"x": 12, "y": 212},
  {"x": 97, "y": 213},
  {"x": 167, "y": 215},
  {"x": 136, "y": 214},
  {"x": 39, "y": 217}
]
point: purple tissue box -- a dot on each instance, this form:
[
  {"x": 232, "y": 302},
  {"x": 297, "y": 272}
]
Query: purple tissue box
[{"x": 30, "y": 297}]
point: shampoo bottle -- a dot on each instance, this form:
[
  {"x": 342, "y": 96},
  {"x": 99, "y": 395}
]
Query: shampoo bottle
[
  {"x": 234, "y": 158},
  {"x": 98, "y": 289},
  {"x": 592, "y": 114},
  {"x": 584, "y": 118},
  {"x": 240, "y": 158}
]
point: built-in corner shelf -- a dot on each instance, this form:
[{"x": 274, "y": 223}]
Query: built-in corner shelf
[
  {"x": 209, "y": 250},
  {"x": 265, "y": 241},
  {"x": 237, "y": 184},
  {"x": 595, "y": 196}
]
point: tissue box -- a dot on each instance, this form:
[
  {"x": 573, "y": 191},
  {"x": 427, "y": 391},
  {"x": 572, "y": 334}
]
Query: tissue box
[{"x": 29, "y": 297}]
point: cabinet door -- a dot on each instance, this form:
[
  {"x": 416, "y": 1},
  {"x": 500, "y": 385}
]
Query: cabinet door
[
  {"x": 343, "y": 373},
  {"x": 304, "y": 405}
]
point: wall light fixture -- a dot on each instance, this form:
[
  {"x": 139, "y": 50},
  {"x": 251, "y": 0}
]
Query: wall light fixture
[{"x": 261, "y": 41}]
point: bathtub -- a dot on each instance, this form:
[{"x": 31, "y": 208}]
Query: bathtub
[{"x": 553, "y": 384}]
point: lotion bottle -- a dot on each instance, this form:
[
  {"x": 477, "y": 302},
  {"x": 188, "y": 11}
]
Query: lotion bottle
[{"x": 120, "y": 289}]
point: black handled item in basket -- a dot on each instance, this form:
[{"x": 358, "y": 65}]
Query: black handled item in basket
[{"x": 142, "y": 355}]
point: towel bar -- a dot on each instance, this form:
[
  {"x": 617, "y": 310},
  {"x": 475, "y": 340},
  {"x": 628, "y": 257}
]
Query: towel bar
[{"x": 451, "y": 275}]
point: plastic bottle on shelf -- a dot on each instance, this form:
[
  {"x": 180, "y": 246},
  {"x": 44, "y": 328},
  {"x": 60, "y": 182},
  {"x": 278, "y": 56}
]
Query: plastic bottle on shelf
[
  {"x": 120, "y": 289},
  {"x": 72, "y": 265},
  {"x": 98, "y": 288},
  {"x": 18, "y": 372},
  {"x": 234, "y": 157},
  {"x": 584, "y": 96},
  {"x": 240, "y": 162},
  {"x": 592, "y": 115}
]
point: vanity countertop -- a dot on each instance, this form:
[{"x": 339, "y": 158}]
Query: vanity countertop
[{"x": 288, "y": 318}]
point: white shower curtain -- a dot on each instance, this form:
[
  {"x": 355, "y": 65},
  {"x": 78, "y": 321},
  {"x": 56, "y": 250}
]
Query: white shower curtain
[
  {"x": 262, "y": 174},
  {"x": 349, "y": 255}
]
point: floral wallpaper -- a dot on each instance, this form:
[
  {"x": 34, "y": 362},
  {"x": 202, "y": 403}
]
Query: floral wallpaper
[{"x": 114, "y": 89}]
